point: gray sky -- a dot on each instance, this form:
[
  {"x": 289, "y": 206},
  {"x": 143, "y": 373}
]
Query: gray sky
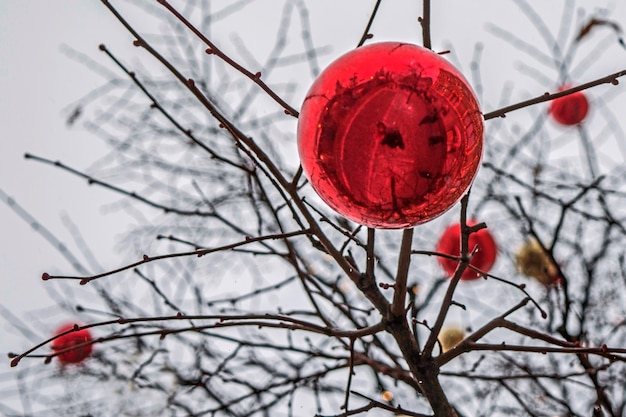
[{"x": 37, "y": 82}]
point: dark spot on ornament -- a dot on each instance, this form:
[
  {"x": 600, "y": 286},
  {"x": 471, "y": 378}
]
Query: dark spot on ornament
[
  {"x": 436, "y": 140},
  {"x": 429, "y": 119},
  {"x": 391, "y": 137}
]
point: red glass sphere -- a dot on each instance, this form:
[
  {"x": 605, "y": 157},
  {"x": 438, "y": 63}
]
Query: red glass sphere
[
  {"x": 571, "y": 109},
  {"x": 390, "y": 135},
  {"x": 483, "y": 259},
  {"x": 70, "y": 340}
]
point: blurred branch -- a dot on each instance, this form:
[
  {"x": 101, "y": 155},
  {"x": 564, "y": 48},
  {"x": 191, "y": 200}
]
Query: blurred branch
[{"x": 213, "y": 49}]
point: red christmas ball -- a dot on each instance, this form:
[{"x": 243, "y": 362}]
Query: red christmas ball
[
  {"x": 390, "y": 135},
  {"x": 70, "y": 340},
  {"x": 571, "y": 109},
  {"x": 483, "y": 259}
]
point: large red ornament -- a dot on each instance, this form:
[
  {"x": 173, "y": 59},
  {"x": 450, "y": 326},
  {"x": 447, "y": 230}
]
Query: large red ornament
[
  {"x": 390, "y": 135},
  {"x": 571, "y": 109},
  {"x": 70, "y": 340},
  {"x": 483, "y": 259}
]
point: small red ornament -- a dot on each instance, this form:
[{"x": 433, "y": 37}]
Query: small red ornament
[
  {"x": 571, "y": 109},
  {"x": 390, "y": 135},
  {"x": 72, "y": 339},
  {"x": 483, "y": 259}
]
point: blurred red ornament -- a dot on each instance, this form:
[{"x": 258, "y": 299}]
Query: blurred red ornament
[
  {"x": 571, "y": 109},
  {"x": 70, "y": 340},
  {"x": 483, "y": 259},
  {"x": 390, "y": 135}
]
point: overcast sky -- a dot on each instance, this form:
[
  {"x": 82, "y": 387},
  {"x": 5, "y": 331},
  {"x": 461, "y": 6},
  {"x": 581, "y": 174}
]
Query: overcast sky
[{"x": 38, "y": 82}]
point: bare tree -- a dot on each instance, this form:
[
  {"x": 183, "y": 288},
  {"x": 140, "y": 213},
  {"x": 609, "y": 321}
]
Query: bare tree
[{"x": 245, "y": 295}]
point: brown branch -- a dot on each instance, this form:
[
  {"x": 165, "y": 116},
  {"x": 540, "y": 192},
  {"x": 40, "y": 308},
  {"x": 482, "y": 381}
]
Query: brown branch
[
  {"x": 478, "y": 334},
  {"x": 609, "y": 79},
  {"x": 486, "y": 275},
  {"x": 91, "y": 180},
  {"x": 366, "y": 35},
  {"x": 213, "y": 49},
  {"x": 155, "y": 103},
  {"x": 370, "y": 262},
  {"x": 375, "y": 404},
  {"x": 350, "y": 373},
  {"x": 367, "y": 287},
  {"x": 253, "y": 320},
  {"x": 604, "y": 351},
  {"x": 447, "y": 301},
  {"x": 15, "y": 359},
  {"x": 404, "y": 261},
  {"x": 425, "y": 22},
  {"x": 199, "y": 252}
]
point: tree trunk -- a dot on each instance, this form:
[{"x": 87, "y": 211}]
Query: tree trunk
[{"x": 424, "y": 370}]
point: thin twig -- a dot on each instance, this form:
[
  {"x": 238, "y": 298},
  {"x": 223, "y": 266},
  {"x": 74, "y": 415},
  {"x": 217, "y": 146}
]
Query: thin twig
[
  {"x": 609, "y": 79},
  {"x": 366, "y": 33},
  {"x": 200, "y": 252},
  {"x": 213, "y": 49},
  {"x": 447, "y": 301}
]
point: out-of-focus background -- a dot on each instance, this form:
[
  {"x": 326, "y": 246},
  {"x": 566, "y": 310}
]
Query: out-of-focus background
[{"x": 40, "y": 79}]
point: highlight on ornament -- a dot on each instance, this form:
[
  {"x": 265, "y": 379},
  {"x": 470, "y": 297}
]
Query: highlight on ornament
[
  {"x": 450, "y": 244},
  {"x": 73, "y": 347},
  {"x": 390, "y": 135},
  {"x": 570, "y": 110}
]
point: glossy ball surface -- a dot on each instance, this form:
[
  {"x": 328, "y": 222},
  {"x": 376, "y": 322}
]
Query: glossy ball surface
[
  {"x": 390, "y": 135},
  {"x": 70, "y": 340},
  {"x": 483, "y": 259},
  {"x": 571, "y": 109}
]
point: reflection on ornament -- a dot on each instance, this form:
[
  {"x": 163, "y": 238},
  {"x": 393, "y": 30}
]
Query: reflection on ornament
[
  {"x": 390, "y": 135},
  {"x": 534, "y": 262},
  {"x": 70, "y": 340},
  {"x": 483, "y": 259},
  {"x": 571, "y": 109}
]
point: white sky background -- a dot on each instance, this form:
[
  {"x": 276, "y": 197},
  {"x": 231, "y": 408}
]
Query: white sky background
[{"x": 37, "y": 82}]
